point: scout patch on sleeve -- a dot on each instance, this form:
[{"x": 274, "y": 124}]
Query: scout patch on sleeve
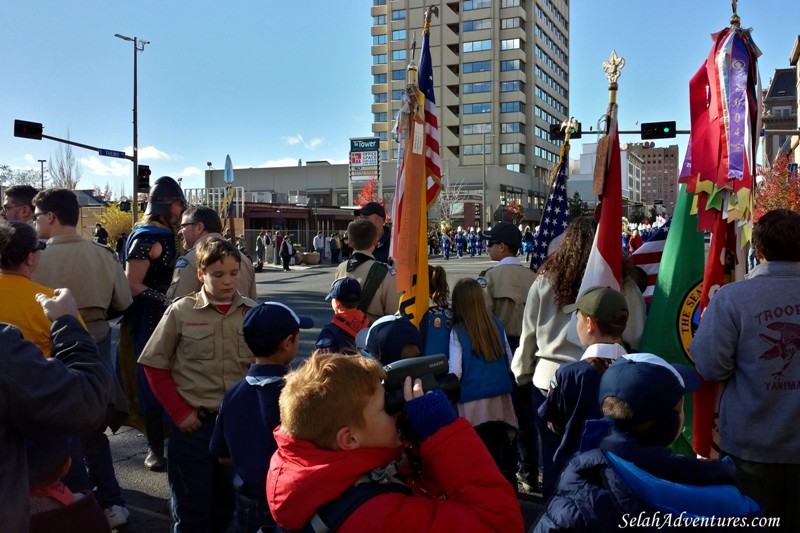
[
  {"x": 180, "y": 263},
  {"x": 553, "y": 384},
  {"x": 392, "y": 271},
  {"x": 482, "y": 282}
]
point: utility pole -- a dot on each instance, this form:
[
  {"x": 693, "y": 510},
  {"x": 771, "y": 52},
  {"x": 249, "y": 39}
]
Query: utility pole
[{"x": 42, "y": 162}]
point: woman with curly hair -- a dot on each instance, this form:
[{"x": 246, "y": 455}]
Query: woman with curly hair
[{"x": 545, "y": 344}]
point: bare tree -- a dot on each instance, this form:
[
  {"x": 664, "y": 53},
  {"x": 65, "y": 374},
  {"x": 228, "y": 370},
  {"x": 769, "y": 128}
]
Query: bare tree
[
  {"x": 449, "y": 195},
  {"x": 65, "y": 169},
  {"x": 9, "y": 177}
]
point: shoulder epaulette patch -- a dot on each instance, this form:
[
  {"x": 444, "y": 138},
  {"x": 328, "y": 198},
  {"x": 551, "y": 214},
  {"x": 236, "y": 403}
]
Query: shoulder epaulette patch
[
  {"x": 180, "y": 263},
  {"x": 482, "y": 282}
]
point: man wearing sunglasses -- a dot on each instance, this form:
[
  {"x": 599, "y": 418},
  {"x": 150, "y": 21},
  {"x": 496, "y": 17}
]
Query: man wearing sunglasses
[{"x": 18, "y": 204}]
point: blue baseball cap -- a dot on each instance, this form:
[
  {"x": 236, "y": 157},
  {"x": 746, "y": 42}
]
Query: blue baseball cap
[
  {"x": 269, "y": 322},
  {"x": 649, "y": 384},
  {"x": 386, "y": 338},
  {"x": 346, "y": 290}
]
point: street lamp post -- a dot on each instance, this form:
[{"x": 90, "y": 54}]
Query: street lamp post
[
  {"x": 42, "y": 162},
  {"x": 138, "y": 46},
  {"x": 484, "y": 211}
]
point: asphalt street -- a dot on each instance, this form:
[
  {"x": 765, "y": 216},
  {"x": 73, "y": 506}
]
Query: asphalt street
[{"x": 304, "y": 289}]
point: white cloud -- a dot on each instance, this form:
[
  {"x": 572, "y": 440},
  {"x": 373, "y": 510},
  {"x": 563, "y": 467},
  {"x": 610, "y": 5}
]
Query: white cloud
[
  {"x": 312, "y": 144},
  {"x": 30, "y": 159},
  {"x": 284, "y": 162},
  {"x": 97, "y": 167},
  {"x": 191, "y": 171},
  {"x": 149, "y": 153}
]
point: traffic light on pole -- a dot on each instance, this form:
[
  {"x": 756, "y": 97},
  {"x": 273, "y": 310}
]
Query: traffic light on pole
[
  {"x": 658, "y": 130},
  {"x": 144, "y": 178},
  {"x": 557, "y": 133},
  {"x": 28, "y": 130}
]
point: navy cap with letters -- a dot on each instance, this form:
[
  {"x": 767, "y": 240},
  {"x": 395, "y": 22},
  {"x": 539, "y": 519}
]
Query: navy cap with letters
[{"x": 269, "y": 322}]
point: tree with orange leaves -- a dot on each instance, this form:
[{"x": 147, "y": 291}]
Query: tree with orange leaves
[
  {"x": 778, "y": 190},
  {"x": 368, "y": 193}
]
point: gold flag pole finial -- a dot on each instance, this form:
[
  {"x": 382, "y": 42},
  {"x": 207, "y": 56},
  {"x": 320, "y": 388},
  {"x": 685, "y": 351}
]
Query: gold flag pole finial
[
  {"x": 612, "y": 68},
  {"x": 735, "y": 20}
]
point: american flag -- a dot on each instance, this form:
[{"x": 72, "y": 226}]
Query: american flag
[
  {"x": 433, "y": 163},
  {"x": 555, "y": 219},
  {"x": 648, "y": 257}
]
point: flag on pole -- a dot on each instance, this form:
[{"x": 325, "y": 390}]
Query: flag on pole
[
  {"x": 555, "y": 217},
  {"x": 648, "y": 257},
  {"x": 418, "y": 180},
  {"x": 433, "y": 163},
  {"x": 675, "y": 310},
  {"x": 604, "y": 268}
]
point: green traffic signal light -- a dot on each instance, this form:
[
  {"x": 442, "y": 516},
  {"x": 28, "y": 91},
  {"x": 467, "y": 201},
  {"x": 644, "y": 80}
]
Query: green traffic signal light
[{"x": 658, "y": 130}]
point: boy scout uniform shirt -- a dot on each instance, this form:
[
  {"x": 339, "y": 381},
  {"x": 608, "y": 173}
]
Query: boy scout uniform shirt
[
  {"x": 185, "y": 281},
  {"x": 505, "y": 289},
  {"x": 386, "y": 300},
  {"x": 92, "y": 272},
  {"x": 203, "y": 349}
]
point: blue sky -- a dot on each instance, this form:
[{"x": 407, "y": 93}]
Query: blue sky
[{"x": 272, "y": 82}]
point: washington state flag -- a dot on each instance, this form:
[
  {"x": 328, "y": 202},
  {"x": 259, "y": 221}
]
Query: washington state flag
[{"x": 675, "y": 312}]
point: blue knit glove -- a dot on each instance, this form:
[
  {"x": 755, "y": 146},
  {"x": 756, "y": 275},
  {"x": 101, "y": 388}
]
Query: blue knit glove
[{"x": 429, "y": 412}]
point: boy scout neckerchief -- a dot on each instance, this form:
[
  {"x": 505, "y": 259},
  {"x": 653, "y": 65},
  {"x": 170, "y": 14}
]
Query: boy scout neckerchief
[
  {"x": 357, "y": 259},
  {"x": 351, "y": 321}
]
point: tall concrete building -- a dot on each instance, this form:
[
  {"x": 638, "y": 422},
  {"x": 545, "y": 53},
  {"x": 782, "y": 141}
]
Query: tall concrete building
[
  {"x": 659, "y": 181},
  {"x": 501, "y": 76}
]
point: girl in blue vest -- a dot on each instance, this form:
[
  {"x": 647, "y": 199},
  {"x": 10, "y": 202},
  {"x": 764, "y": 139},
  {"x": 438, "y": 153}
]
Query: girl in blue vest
[{"x": 481, "y": 357}]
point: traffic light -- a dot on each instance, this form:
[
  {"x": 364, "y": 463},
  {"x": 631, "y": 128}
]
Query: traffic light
[
  {"x": 28, "y": 130},
  {"x": 125, "y": 206},
  {"x": 658, "y": 130},
  {"x": 144, "y": 178},
  {"x": 557, "y": 134}
]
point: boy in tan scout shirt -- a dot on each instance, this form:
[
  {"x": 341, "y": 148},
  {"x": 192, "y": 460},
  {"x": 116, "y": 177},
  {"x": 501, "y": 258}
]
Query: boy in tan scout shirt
[
  {"x": 505, "y": 290},
  {"x": 196, "y": 353}
]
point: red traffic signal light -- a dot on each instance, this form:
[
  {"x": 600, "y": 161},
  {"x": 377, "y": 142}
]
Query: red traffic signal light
[
  {"x": 658, "y": 130},
  {"x": 28, "y": 130}
]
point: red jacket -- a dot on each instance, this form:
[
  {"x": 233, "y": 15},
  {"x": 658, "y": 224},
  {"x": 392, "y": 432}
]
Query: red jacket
[{"x": 303, "y": 477}]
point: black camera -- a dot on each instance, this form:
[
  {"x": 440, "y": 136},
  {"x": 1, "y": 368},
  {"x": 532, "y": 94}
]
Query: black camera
[{"x": 431, "y": 369}]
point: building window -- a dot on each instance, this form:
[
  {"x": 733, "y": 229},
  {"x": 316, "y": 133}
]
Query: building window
[
  {"x": 398, "y": 35},
  {"x": 513, "y": 64},
  {"x": 509, "y": 3},
  {"x": 379, "y": 59},
  {"x": 380, "y": 98},
  {"x": 399, "y": 74},
  {"x": 511, "y": 107},
  {"x": 509, "y": 44},
  {"x": 379, "y": 20},
  {"x": 476, "y": 149},
  {"x": 511, "y": 148},
  {"x": 516, "y": 167},
  {"x": 475, "y": 25},
  {"x": 477, "y": 129},
  {"x": 384, "y": 155},
  {"x": 398, "y": 14},
  {"x": 477, "y": 46},
  {"x": 507, "y": 24},
  {"x": 380, "y": 117},
  {"x": 482, "y": 107},
  {"x": 379, "y": 78},
  {"x": 508, "y": 86},
  {"x": 477, "y": 66},
  {"x": 469, "y": 5},
  {"x": 383, "y": 135},
  {"x": 479, "y": 87},
  {"x": 398, "y": 55},
  {"x": 397, "y": 94},
  {"x": 510, "y": 127},
  {"x": 379, "y": 39},
  {"x": 378, "y": 2}
]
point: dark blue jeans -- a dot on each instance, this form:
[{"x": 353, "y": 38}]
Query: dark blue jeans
[
  {"x": 528, "y": 436},
  {"x": 93, "y": 469},
  {"x": 201, "y": 489},
  {"x": 252, "y": 514},
  {"x": 549, "y": 443}
]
